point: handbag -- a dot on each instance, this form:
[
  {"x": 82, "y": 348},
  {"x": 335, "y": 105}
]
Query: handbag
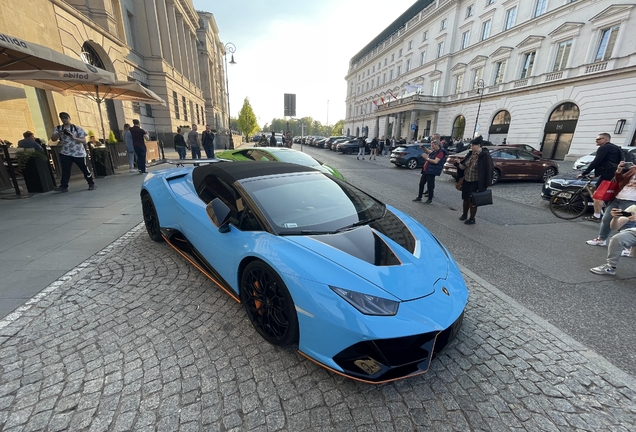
[
  {"x": 606, "y": 191},
  {"x": 459, "y": 183},
  {"x": 481, "y": 198}
]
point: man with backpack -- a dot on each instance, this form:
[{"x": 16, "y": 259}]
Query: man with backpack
[
  {"x": 72, "y": 139},
  {"x": 604, "y": 165}
]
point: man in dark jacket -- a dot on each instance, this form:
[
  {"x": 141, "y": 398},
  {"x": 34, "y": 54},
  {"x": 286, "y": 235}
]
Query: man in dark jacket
[
  {"x": 433, "y": 165},
  {"x": 604, "y": 165},
  {"x": 272, "y": 140},
  {"x": 477, "y": 176}
]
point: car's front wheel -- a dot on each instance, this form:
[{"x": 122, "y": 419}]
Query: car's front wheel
[
  {"x": 151, "y": 220},
  {"x": 268, "y": 304},
  {"x": 349, "y": 151},
  {"x": 411, "y": 163}
]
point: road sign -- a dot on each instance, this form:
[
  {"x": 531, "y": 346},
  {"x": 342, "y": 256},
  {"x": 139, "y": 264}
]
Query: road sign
[{"x": 413, "y": 126}]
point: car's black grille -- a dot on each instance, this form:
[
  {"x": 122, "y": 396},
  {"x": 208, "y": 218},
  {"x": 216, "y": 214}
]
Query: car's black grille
[{"x": 388, "y": 359}]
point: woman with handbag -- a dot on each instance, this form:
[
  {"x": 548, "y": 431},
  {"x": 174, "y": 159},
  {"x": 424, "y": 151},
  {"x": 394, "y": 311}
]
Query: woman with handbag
[{"x": 474, "y": 174}]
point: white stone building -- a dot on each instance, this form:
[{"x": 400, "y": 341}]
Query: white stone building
[{"x": 555, "y": 73}]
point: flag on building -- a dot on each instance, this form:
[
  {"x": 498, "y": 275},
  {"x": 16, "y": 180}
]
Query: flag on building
[
  {"x": 375, "y": 103},
  {"x": 382, "y": 99},
  {"x": 392, "y": 94}
]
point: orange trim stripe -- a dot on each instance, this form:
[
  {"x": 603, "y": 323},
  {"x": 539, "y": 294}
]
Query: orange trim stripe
[{"x": 220, "y": 285}]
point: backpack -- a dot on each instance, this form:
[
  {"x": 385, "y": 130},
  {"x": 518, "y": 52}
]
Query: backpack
[{"x": 628, "y": 156}]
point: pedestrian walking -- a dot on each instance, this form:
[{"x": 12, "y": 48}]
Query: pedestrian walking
[
  {"x": 607, "y": 157},
  {"x": 272, "y": 140},
  {"x": 434, "y": 158},
  {"x": 362, "y": 142},
  {"x": 73, "y": 139},
  {"x": 382, "y": 146},
  {"x": 139, "y": 137},
  {"x": 207, "y": 138},
  {"x": 374, "y": 147},
  {"x": 625, "y": 175},
  {"x": 624, "y": 240},
  {"x": 475, "y": 172},
  {"x": 180, "y": 144},
  {"x": 194, "y": 142},
  {"x": 130, "y": 149}
]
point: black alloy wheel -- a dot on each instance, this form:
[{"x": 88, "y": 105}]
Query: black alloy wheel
[
  {"x": 349, "y": 151},
  {"x": 268, "y": 304},
  {"x": 151, "y": 220}
]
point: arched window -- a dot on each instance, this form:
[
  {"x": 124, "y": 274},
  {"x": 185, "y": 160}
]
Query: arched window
[
  {"x": 459, "y": 125},
  {"x": 502, "y": 118},
  {"x": 559, "y": 131},
  {"x": 90, "y": 56},
  {"x": 565, "y": 111}
]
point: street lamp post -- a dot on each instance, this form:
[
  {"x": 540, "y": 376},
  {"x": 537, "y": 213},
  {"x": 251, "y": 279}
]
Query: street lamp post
[
  {"x": 231, "y": 48},
  {"x": 480, "y": 91}
]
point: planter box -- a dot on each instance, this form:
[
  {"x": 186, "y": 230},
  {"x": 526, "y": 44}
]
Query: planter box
[
  {"x": 102, "y": 167},
  {"x": 37, "y": 176}
]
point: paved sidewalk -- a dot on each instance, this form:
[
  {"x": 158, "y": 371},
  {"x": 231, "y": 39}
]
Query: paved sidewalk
[{"x": 136, "y": 339}]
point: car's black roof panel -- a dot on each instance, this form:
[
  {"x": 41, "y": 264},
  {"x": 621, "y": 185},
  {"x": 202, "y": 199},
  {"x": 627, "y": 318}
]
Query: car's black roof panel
[{"x": 233, "y": 171}]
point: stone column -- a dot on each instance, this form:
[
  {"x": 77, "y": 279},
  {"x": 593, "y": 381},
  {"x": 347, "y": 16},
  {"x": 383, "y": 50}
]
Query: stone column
[
  {"x": 397, "y": 126},
  {"x": 174, "y": 39},
  {"x": 152, "y": 23},
  {"x": 376, "y": 127},
  {"x": 183, "y": 45},
  {"x": 195, "y": 58},
  {"x": 414, "y": 114},
  {"x": 386, "y": 126},
  {"x": 162, "y": 16}
]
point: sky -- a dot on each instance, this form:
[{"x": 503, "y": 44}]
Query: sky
[{"x": 301, "y": 47}]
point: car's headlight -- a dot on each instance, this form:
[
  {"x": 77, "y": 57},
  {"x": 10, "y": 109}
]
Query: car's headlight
[{"x": 368, "y": 304}]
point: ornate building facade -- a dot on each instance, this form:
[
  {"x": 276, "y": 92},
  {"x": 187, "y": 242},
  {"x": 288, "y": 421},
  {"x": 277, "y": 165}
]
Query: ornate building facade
[
  {"x": 549, "y": 73},
  {"x": 166, "y": 45}
]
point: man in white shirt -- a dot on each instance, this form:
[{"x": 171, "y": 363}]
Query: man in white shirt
[{"x": 72, "y": 138}]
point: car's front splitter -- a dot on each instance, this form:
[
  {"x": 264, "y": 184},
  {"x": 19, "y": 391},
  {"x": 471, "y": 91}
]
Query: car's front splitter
[{"x": 383, "y": 360}]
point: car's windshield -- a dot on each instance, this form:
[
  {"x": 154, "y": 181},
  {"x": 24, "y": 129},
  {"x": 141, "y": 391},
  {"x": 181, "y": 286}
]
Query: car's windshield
[
  {"x": 296, "y": 157},
  {"x": 311, "y": 203}
]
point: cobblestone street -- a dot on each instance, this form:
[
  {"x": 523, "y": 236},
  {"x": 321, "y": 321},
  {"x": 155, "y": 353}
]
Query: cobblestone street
[{"x": 137, "y": 339}]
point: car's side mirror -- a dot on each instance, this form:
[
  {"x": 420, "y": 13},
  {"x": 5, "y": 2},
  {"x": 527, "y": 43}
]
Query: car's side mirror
[{"x": 219, "y": 213}]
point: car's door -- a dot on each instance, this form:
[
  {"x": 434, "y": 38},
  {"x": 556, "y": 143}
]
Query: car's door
[
  {"x": 529, "y": 166},
  {"x": 223, "y": 250},
  {"x": 505, "y": 160}
]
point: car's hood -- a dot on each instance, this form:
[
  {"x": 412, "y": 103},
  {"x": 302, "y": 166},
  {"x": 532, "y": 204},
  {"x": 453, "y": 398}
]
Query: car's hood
[
  {"x": 373, "y": 255},
  {"x": 568, "y": 178}
]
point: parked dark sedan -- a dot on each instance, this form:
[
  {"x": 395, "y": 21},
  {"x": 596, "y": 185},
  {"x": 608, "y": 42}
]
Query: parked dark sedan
[
  {"x": 351, "y": 147},
  {"x": 511, "y": 163},
  {"x": 409, "y": 155}
]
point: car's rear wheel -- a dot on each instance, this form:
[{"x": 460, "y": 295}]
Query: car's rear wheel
[
  {"x": 411, "y": 163},
  {"x": 549, "y": 173},
  {"x": 151, "y": 220},
  {"x": 495, "y": 176},
  {"x": 268, "y": 304}
]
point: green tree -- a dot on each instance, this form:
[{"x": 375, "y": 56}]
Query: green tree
[
  {"x": 247, "y": 122},
  {"x": 338, "y": 128}
]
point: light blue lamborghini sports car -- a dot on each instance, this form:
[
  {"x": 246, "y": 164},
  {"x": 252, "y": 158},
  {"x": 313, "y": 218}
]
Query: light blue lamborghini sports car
[{"x": 362, "y": 288}]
